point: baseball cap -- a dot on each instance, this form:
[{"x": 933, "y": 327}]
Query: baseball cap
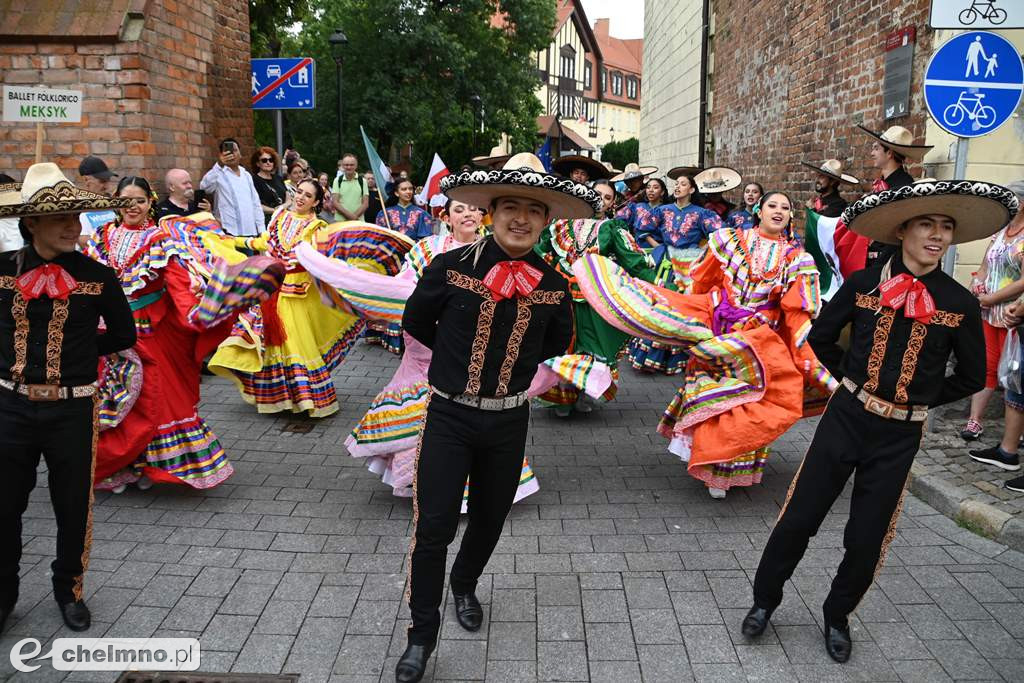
[{"x": 95, "y": 166}]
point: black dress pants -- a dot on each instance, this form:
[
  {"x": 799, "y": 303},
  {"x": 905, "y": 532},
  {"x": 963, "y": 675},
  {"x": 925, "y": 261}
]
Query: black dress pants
[
  {"x": 62, "y": 432},
  {"x": 460, "y": 441},
  {"x": 848, "y": 440}
]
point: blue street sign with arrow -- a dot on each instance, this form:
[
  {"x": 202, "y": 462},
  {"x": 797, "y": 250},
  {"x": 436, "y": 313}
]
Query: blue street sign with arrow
[
  {"x": 283, "y": 83},
  {"x": 973, "y": 83}
]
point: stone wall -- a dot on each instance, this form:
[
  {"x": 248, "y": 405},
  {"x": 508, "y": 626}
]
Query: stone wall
[
  {"x": 791, "y": 78},
  {"x": 160, "y": 88},
  {"x": 670, "y": 108}
]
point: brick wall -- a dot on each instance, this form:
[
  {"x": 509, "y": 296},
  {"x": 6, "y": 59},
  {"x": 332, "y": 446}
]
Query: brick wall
[
  {"x": 150, "y": 104},
  {"x": 792, "y": 77}
]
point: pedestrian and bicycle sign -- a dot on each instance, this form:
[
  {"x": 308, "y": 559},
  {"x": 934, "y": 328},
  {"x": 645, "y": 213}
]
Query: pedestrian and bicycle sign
[
  {"x": 973, "y": 83},
  {"x": 977, "y": 14},
  {"x": 283, "y": 83}
]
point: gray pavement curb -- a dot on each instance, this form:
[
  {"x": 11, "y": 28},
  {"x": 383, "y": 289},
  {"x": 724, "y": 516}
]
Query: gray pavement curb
[{"x": 955, "y": 502}]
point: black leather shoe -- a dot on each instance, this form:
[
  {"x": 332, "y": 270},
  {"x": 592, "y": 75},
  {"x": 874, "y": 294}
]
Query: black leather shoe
[
  {"x": 756, "y": 621},
  {"x": 837, "y": 642},
  {"x": 468, "y": 611},
  {"x": 413, "y": 663},
  {"x": 76, "y": 615}
]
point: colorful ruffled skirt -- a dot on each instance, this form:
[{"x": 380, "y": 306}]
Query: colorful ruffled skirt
[
  {"x": 148, "y": 396},
  {"x": 294, "y": 375}
]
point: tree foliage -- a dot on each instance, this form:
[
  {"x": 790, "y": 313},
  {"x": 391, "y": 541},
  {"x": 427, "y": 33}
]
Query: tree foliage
[
  {"x": 622, "y": 152},
  {"x": 409, "y": 71}
]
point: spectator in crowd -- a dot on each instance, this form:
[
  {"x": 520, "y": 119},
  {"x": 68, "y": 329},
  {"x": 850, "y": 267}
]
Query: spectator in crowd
[
  {"x": 10, "y": 236},
  {"x": 181, "y": 199},
  {"x": 373, "y": 205},
  {"x": 235, "y": 202},
  {"x": 94, "y": 176},
  {"x": 298, "y": 170},
  {"x": 327, "y": 211},
  {"x": 350, "y": 191},
  {"x": 268, "y": 182}
]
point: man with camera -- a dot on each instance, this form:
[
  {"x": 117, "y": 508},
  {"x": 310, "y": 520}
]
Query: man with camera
[
  {"x": 235, "y": 201},
  {"x": 181, "y": 199}
]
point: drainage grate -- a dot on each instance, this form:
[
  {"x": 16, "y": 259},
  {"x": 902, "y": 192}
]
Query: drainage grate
[{"x": 203, "y": 677}]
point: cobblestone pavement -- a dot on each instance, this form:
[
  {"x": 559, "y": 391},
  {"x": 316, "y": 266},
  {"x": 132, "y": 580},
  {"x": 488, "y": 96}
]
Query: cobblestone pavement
[
  {"x": 620, "y": 569},
  {"x": 944, "y": 453}
]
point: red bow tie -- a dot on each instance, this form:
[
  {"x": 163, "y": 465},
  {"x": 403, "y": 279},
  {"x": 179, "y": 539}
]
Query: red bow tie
[
  {"x": 910, "y": 294},
  {"x": 49, "y": 279},
  {"x": 510, "y": 278}
]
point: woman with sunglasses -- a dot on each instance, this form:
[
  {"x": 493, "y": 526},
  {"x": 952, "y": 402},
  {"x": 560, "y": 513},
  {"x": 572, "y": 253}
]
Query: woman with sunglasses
[{"x": 268, "y": 182}]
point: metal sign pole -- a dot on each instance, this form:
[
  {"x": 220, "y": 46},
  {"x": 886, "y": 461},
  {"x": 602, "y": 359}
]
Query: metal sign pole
[
  {"x": 279, "y": 132},
  {"x": 959, "y": 173}
]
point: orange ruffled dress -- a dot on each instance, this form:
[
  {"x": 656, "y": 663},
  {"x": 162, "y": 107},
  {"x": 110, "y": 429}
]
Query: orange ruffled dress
[{"x": 751, "y": 374}]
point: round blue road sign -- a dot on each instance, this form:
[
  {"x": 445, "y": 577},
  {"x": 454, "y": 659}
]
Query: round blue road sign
[{"x": 973, "y": 83}]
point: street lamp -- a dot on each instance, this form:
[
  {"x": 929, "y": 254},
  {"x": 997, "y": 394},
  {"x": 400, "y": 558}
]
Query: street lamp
[
  {"x": 477, "y": 116},
  {"x": 338, "y": 41}
]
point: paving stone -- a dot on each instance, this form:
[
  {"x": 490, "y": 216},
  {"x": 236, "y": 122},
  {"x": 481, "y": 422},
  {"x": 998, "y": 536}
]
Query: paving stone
[
  {"x": 614, "y": 672},
  {"x": 960, "y": 659},
  {"x": 560, "y": 623},
  {"x": 664, "y": 663},
  {"x": 263, "y": 654},
  {"x": 558, "y": 590},
  {"x": 562, "y": 661},
  {"x": 227, "y": 632},
  {"x": 361, "y": 655},
  {"x": 512, "y": 640},
  {"x": 610, "y": 641},
  {"x": 461, "y": 660},
  {"x": 508, "y": 671},
  {"x": 513, "y": 604},
  {"x": 708, "y": 644},
  {"x": 282, "y": 617},
  {"x": 654, "y": 626},
  {"x": 604, "y": 606}
]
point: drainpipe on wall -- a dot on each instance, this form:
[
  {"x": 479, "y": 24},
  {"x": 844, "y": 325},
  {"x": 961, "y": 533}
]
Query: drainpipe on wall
[{"x": 702, "y": 130}]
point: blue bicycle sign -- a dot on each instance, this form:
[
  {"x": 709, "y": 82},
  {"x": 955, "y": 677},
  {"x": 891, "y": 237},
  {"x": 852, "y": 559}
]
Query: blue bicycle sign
[
  {"x": 973, "y": 83},
  {"x": 971, "y": 107}
]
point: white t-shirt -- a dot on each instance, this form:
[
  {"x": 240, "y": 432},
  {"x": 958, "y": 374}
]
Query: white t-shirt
[
  {"x": 94, "y": 220},
  {"x": 10, "y": 236}
]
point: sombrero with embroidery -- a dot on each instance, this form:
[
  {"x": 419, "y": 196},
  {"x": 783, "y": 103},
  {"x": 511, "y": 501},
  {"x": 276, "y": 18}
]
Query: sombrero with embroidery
[
  {"x": 833, "y": 168},
  {"x": 524, "y": 176},
  {"x": 565, "y": 165},
  {"x": 47, "y": 192},
  {"x": 717, "y": 179},
  {"x": 634, "y": 171},
  {"x": 899, "y": 140},
  {"x": 684, "y": 170},
  {"x": 979, "y": 209}
]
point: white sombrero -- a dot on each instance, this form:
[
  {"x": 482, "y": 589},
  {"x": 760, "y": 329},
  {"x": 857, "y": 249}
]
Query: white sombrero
[
  {"x": 833, "y": 168},
  {"x": 899, "y": 140},
  {"x": 495, "y": 159},
  {"x": 47, "y": 192},
  {"x": 634, "y": 171},
  {"x": 717, "y": 179},
  {"x": 979, "y": 209},
  {"x": 523, "y": 175}
]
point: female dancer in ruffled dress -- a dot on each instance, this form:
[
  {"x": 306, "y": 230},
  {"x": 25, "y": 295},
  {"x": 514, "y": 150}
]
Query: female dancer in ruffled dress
[
  {"x": 676, "y": 233},
  {"x": 745, "y": 326},
  {"x": 744, "y": 217},
  {"x": 282, "y": 356},
  {"x": 389, "y": 431},
  {"x": 151, "y": 430},
  {"x": 590, "y": 373}
]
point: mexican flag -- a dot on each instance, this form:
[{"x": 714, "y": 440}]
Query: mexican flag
[{"x": 819, "y": 241}]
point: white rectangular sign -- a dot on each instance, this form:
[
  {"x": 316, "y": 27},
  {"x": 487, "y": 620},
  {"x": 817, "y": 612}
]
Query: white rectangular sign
[
  {"x": 977, "y": 14},
  {"x": 42, "y": 105}
]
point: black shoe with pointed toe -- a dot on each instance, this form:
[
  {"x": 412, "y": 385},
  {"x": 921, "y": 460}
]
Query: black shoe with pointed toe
[
  {"x": 756, "y": 621},
  {"x": 837, "y": 642},
  {"x": 76, "y": 615},
  {"x": 413, "y": 663},
  {"x": 468, "y": 611}
]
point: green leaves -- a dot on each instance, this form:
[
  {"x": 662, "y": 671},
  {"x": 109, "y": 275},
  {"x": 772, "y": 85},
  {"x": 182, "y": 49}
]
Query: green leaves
[{"x": 409, "y": 71}]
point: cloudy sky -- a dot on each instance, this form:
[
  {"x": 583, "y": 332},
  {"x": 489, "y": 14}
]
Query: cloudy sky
[{"x": 627, "y": 17}]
